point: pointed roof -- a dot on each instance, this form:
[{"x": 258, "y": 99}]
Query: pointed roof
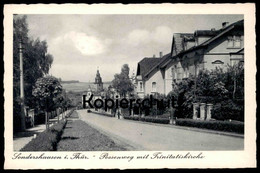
[
  {"x": 220, "y": 32},
  {"x": 147, "y": 65}
]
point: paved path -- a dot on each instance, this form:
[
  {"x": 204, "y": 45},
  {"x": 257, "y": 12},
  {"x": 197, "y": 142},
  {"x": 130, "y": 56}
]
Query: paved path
[
  {"x": 144, "y": 136},
  {"x": 20, "y": 139}
]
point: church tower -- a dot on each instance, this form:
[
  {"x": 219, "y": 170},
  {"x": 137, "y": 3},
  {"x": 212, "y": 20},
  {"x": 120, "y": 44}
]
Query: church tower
[{"x": 98, "y": 82}]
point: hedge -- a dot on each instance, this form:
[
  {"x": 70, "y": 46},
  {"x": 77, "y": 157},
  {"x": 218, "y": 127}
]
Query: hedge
[
  {"x": 47, "y": 140},
  {"x": 131, "y": 118},
  {"x": 149, "y": 119},
  {"x": 227, "y": 126},
  {"x": 105, "y": 114}
]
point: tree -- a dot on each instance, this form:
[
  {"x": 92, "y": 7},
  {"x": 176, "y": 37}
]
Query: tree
[
  {"x": 224, "y": 89},
  {"x": 122, "y": 83},
  {"x": 236, "y": 76},
  {"x": 46, "y": 91},
  {"x": 36, "y": 64}
]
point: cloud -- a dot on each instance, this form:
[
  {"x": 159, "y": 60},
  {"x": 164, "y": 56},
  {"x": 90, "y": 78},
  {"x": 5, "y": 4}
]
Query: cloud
[
  {"x": 85, "y": 44},
  {"x": 137, "y": 37},
  {"x": 160, "y": 35}
]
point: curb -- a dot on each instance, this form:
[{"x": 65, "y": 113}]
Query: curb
[{"x": 191, "y": 129}]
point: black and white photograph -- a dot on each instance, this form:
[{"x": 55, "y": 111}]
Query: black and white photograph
[{"x": 129, "y": 87}]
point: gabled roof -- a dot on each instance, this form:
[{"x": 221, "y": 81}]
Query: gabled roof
[
  {"x": 177, "y": 42},
  {"x": 146, "y": 64},
  {"x": 238, "y": 24},
  {"x": 210, "y": 33}
]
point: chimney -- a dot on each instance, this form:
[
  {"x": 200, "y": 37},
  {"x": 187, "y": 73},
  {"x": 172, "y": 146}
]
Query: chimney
[
  {"x": 213, "y": 29},
  {"x": 161, "y": 54},
  {"x": 224, "y": 24},
  {"x": 153, "y": 55}
]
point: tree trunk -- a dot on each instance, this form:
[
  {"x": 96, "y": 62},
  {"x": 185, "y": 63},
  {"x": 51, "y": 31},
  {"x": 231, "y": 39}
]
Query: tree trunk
[
  {"x": 46, "y": 114},
  {"x": 235, "y": 87},
  {"x": 46, "y": 119},
  {"x": 58, "y": 116}
]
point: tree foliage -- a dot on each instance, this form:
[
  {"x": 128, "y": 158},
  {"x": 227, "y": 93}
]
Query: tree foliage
[
  {"x": 223, "y": 89},
  {"x": 36, "y": 63},
  {"x": 48, "y": 92},
  {"x": 122, "y": 83}
]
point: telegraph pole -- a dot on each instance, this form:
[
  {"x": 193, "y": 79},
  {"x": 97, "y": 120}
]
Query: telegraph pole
[{"x": 23, "y": 111}]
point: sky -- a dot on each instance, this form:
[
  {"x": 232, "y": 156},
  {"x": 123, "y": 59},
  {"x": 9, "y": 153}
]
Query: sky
[{"x": 81, "y": 44}]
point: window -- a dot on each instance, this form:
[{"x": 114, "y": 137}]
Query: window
[
  {"x": 187, "y": 72},
  {"x": 237, "y": 42},
  {"x": 230, "y": 42},
  {"x": 141, "y": 86},
  {"x": 184, "y": 72},
  {"x": 234, "y": 42},
  {"x": 179, "y": 73},
  {"x": 218, "y": 62},
  {"x": 172, "y": 72},
  {"x": 154, "y": 87}
]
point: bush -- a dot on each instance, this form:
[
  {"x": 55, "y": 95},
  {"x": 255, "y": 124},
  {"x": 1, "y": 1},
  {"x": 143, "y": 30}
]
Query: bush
[
  {"x": 227, "y": 126},
  {"x": 228, "y": 109},
  {"x": 222, "y": 88},
  {"x": 131, "y": 118},
  {"x": 156, "y": 120},
  {"x": 47, "y": 140}
]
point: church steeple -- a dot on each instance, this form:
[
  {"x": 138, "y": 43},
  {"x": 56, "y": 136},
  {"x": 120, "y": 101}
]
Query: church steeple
[{"x": 98, "y": 81}]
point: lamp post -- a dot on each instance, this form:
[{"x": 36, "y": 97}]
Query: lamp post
[{"x": 23, "y": 111}]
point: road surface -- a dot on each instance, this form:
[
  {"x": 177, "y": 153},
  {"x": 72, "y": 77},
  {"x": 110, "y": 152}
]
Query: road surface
[{"x": 147, "y": 136}]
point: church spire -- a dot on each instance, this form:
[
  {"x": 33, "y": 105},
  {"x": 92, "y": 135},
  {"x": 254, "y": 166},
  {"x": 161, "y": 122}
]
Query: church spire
[{"x": 98, "y": 81}]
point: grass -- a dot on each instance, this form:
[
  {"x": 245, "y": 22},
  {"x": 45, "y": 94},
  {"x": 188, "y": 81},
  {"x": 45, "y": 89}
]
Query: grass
[
  {"x": 79, "y": 136},
  {"x": 47, "y": 140}
]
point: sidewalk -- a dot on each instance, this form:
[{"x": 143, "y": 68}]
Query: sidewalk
[
  {"x": 185, "y": 127},
  {"x": 20, "y": 139}
]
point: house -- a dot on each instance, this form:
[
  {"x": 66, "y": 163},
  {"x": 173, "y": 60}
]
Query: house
[{"x": 190, "y": 53}]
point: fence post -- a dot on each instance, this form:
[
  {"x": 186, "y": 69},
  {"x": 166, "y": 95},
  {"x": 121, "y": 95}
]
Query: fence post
[
  {"x": 209, "y": 107},
  {"x": 195, "y": 111},
  {"x": 202, "y": 111}
]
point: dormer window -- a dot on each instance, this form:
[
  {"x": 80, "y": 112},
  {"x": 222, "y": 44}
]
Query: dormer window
[
  {"x": 230, "y": 42},
  {"x": 234, "y": 42},
  {"x": 237, "y": 41}
]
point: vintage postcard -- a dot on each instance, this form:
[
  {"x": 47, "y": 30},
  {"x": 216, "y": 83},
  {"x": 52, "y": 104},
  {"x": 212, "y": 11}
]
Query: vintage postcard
[{"x": 129, "y": 86}]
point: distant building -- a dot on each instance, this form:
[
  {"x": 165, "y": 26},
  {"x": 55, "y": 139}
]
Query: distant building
[
  {"x": 97, "y": 91},
  {"x": 190, "y": 53},
  {"x": 98, "y": 82}
]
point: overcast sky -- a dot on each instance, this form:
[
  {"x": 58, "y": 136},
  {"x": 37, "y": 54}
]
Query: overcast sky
[{"x": 81, "y": 43}]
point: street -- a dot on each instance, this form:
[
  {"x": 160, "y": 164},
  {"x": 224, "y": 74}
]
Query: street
[{"x": 144, "y": 136}]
